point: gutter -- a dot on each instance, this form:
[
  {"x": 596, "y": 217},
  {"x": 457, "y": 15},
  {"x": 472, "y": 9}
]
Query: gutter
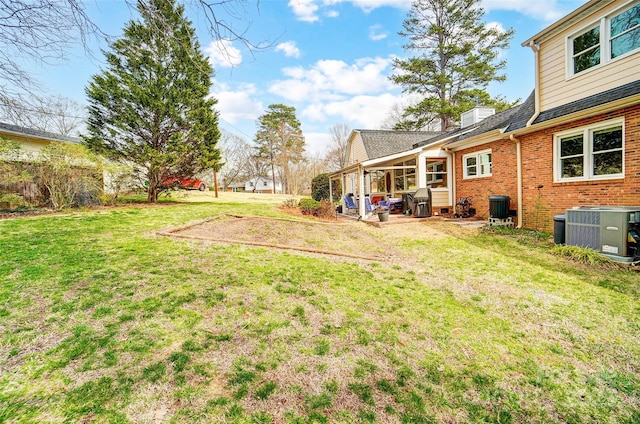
[{"x": 518, "y": 177}]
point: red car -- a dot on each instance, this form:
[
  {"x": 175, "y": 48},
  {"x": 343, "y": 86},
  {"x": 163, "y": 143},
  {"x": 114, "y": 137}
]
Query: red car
[{"x": 186, "y": 183}]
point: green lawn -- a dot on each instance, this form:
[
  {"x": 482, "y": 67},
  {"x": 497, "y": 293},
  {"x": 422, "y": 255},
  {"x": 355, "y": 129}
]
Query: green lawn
[{"x": 104, "y": 321}]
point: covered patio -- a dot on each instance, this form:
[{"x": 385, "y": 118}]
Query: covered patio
[{"x": 390, "y": 182}]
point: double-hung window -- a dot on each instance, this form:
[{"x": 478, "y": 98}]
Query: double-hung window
[
  {"x": 477, "y": 164},
  {"x": 590, "y": 153},
  {"x": 437, "y": 172},
  {"x": 609, "y": 38},
  {"x": 405, "y": 177}
]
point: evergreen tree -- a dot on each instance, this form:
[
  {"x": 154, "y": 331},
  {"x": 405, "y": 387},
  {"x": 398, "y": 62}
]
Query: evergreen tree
[
  {"x": 458, "y": 58},
  {"x": 280, "y": 141},
  {"x": 151, "y": 106}
]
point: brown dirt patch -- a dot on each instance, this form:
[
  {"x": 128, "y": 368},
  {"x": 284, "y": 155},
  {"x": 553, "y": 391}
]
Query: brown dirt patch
[{"x": 334, "y": 238}]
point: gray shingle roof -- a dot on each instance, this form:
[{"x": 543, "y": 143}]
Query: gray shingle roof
[
  {"x": 517, "y": 117},
  {"x": 380, "y": 143},
  {"x": 37, "y": 133},
  {"x": 612, "y": 95}
]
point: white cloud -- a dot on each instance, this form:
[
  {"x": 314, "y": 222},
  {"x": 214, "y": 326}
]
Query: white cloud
[
  {"x": 334, "y": 79},
  {"x": 289, "y": 48},
  {"x": 377, "y": 33},
  {"x": 369, "y": 5},
  {"x": 317, "y": 143},
  {"x": 305, "y": 10},
  {"x": 237, "y": 104},
  {"x": 331, "y": 13},
  {"x": 546, "y": 10},
  {"x": 222, "y": 53},
  {"x": 364, "y": 111}
]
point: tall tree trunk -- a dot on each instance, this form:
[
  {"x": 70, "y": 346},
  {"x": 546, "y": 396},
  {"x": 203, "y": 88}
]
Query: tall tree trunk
[{"x": 273, "y": 176}]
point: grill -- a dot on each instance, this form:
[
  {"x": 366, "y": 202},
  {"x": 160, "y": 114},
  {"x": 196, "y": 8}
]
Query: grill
[{"x": 422, "y": 203}]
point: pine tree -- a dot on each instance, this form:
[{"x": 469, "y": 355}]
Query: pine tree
[
  {"x": 151, "y": 106},
  {"x": 280, "y": 141},
  {"x": 458, "y": 58}
]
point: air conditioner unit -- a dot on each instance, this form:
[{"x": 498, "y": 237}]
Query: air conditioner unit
[{"x": 611, "y": 230}]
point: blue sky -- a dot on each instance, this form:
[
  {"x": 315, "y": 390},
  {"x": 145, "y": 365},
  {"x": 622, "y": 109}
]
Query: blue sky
[{"x": 330, "y": 59}]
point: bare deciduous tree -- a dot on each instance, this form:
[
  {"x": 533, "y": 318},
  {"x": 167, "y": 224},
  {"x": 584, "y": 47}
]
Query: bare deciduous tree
[
  {"x": 40, "y": 31},
  {"x": 237, "y": 155},
  {"x": 55, "y": 114},
  {"x": 336, "y": 156}
]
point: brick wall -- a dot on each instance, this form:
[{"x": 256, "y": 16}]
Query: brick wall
[
  {"x": 502, "y": 182},
  {"x": 541, "y": 204}
]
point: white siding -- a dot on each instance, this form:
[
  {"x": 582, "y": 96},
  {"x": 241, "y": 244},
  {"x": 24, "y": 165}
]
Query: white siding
[
  {"x": 440, "y": 198},
  {"x": 557, "y": 87}
]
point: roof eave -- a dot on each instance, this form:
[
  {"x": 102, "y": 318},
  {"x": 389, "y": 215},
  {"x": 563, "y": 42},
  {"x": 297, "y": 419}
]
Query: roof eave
[
  {"x": 585, "y": 113},
  {"x": 478, "y": 140},
  {"x": 567, "y": 21}
]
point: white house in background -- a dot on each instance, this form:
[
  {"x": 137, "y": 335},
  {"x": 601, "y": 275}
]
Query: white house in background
[
  {"x": 262, "y": 185},
  {"x": 32, "y": 141}
]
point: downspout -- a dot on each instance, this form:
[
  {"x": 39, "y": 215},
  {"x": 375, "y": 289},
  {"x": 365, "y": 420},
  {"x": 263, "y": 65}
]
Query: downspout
[
  {"x": 536, "y": 92},
  {"x": 518, "y": 177},
  {"x": 453, "y": 176}
]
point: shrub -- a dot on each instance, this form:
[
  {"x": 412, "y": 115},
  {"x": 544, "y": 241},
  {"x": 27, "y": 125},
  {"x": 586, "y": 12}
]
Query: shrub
[
  {"x": 309, "y": 206},
  {"x": 320, "y": 187},
  {"x": 69, "y": 175},
  {"x": 584, "y": 255},
  {"x": 323, "y": 209},
  {"x": 326, "y": 209},
  {"x": 16, "y": 183},
  {"x": 290, "y": 203}
]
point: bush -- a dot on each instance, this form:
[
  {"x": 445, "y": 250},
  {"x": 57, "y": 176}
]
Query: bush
[
  {"x": 584, "y": 255},
  {"x": 320, "y": 187},
  {"x": 308, "y": 206},
  {"x": 16, "y": 182},
  {"x": 326, "y": 210},
  {"x": 323, "y": 209},
  {"x": 69, "y": 175},
  {"x": 290, "y": 203}
]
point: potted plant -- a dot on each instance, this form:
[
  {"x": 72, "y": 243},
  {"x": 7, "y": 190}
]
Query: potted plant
[{"x": 383, "y": 214}]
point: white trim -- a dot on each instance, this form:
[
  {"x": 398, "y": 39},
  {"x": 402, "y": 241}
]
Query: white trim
[
  {"x": 477, "y": 156},
  {"x": 587, "y": 151}
]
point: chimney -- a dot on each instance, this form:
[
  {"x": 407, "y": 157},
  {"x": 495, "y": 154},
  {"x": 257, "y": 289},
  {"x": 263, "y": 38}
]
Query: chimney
[{"x": 475, "y": 115}]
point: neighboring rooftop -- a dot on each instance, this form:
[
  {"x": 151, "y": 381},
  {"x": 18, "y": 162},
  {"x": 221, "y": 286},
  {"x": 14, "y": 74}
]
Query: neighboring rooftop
[{"x": 30, "y": 132}]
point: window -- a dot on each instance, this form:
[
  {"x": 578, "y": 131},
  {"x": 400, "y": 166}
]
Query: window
[
  {"x": 590, "y": 153},
  {"x": 586, "y": 50},
  {"x": 625, "y": 31},
  {"x": 612, "y": 37},
  {"x": 437, "y": 173},
  {"x": 405, "y": 179},
  {"x": 477, "y": 164},
  {"x": 377, "y": 182}
]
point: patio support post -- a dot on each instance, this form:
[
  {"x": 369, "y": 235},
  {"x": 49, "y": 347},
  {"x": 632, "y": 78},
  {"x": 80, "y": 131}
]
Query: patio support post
[{"x": 361, "y": 191}]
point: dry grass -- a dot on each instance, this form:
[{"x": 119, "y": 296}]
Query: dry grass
[{"x": 104, "y": 321}]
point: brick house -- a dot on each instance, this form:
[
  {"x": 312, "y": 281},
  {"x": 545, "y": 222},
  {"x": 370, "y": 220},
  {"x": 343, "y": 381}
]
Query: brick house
[{"x": 575, "y": 141}]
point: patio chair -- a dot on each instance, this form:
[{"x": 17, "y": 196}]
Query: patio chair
[
  {"x": 368, "y": 207},
  {"x": 383, "y": 204},
  {"x": 350, "y": 204}
]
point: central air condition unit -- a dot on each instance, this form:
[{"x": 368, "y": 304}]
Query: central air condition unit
[{"x": 612, "y": 230}]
